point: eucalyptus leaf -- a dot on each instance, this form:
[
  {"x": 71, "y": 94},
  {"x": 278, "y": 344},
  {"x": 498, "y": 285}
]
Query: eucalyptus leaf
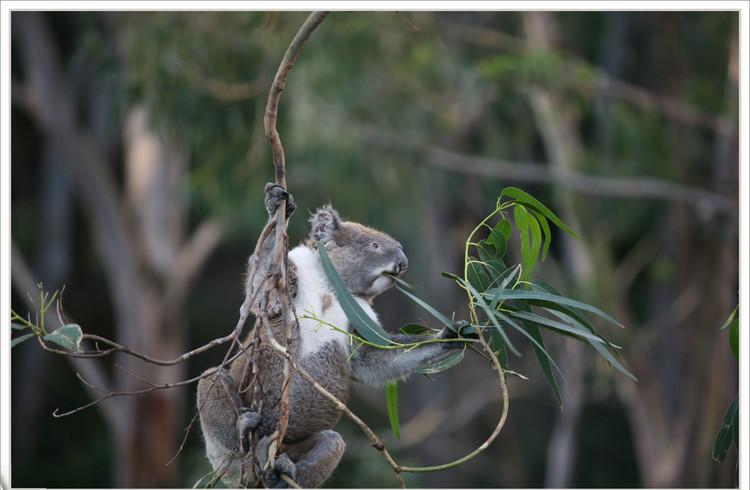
[
  {"x": 498, "y": 240},
  {"x": 450, "y": 275},
  {"x": 512, "y": 294},
  {"x": 542, "y": 356},
  {"x": 549, "y": 323},
  {"x": 507, "y": 319},
  {"x": 68, "y": 337},
  {"x": 491, "y": 315},
  {"x": 611, "y": 359},
  {"x": 725, "y": 435},
  {"x": 391, "y": 396},
  {"x": 535, "y": 239},
  {"x": 18, "y": 326},
  {"x": 361, "y": 321},
  {"x": 21, "y": 338},
  {"x": 525, "y": 198},
  {"x": 498, "y": 346},
  {"x": 432, "y": 311},
  {"x": 545, "y": 232},
  {"x": 477, "y": 275},
  {"x": 521, "y": 217},
  {"x": 446, "y": 363},
  {"x": 504, "y": 228},
  {"x": 414, "y": 329}
]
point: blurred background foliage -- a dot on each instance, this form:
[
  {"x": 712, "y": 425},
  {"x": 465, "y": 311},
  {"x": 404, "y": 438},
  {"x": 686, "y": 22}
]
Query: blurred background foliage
[{"x": 623, "y": 122}]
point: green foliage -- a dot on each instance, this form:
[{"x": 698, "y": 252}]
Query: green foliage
[
  {"x": 729, "y": 432},
  {"x": 362, "y": 323},
  {"x": 68, "y": 337},
  {"x": 391, "y": 396}
]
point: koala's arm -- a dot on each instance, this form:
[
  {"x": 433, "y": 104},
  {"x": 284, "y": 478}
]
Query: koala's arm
[
  {"x": 376, "y": 367},
  {"x": 275, "y": 196}
]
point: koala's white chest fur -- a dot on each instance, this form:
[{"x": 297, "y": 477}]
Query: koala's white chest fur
[{"x": 315, "y": 297}]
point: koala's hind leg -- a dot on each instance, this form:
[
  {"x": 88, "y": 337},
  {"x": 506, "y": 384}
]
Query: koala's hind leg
[
  {"x": 226, "y": 425},
  {"x": 313, "y": 460}
]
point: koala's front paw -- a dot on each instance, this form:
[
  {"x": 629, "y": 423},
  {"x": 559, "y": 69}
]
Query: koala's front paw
[
  {"x": 282, "y": 466},
  {"x": 274, "y": 195},
  {"x": 461, "y": 329},
  {"x": 247, "y": 421}
]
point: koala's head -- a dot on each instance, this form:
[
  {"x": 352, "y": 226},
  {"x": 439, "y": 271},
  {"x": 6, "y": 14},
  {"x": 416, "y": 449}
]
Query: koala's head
[{"x": 360, "y": 254}]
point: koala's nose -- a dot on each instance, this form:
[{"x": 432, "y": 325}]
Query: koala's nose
[{"x": 402, "y": 262}]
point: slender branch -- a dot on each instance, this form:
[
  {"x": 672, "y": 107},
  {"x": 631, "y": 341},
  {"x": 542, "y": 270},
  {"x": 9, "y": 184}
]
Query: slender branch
[
  {"x": 279, "y": 252},
  {"x": 24, "y": 283},
  {"x": 106, "y": 394}
]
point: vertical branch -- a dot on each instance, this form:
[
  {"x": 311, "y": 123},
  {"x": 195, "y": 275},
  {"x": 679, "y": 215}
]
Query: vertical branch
[{"x": 279, "y": 251}]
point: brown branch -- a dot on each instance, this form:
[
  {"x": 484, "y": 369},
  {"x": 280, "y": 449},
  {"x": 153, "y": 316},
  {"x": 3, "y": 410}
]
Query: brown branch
[
  {"x": 375, "y": 440},
  {"x": 107, "y": 394},
  {"x": 24, "y": 283},
  {"x": 279, "y": 252}
]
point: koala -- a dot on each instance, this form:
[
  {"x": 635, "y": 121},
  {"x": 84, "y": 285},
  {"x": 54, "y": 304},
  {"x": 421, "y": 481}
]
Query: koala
[{"x": 311, "y": 449}]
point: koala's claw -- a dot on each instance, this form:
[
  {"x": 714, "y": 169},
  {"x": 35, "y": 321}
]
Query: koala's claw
[
  {"x": 282, "y": 466},
  {"x": 461, "y": 329},
  {"x": 247, "y": 421},
  {"x": 274, "y": 195}
]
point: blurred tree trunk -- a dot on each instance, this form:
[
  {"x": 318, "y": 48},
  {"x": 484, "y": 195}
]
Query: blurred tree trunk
[
  {"x": 558, "y": 123},
  {"x": 52, "y": 265},
  {"x": 149, "y": 261},
  {"x": 674, "y": 425}
]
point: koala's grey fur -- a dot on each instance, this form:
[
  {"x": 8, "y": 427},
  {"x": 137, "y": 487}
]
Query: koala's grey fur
[{"x": 312, "y": 450}]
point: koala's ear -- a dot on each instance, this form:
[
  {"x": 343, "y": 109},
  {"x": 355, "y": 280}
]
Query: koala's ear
[{"x": 324, "y": 224}]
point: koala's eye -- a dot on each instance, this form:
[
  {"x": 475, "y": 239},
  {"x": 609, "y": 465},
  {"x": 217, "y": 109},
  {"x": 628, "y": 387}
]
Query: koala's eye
[{"x": 375, "y": 245}]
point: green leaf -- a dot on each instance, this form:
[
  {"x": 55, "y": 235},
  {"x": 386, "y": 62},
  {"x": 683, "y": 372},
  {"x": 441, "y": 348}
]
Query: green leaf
[
  {"x": 414, "y": 329},
  {"x": 521, "y": 216},
  {"x": 18, "y": 326},
  {"x": 734, "y": 339},
  {"x": 731, "y": 319},
  {"x": 498, "y": 346},
  {"x": 504, "y": 228},
  {"x": 612, "y": 360},
  {"x": 542, "y": 355},
  {"x": 733, "y": 324},
  {"x": 490, "y": 312},
  {"x": 446, "y": 363},
  {"x": 725, "y": 435},
  {"x": 20, "y": 339},
  {"x": 553, "y": 324},
  {"x": 514, "y": 294},
  {"x": 525, "y": 198},
  {"x": 432, "y": 311},
  {"x": 545, "y": 231},
  {"x": 572, "y": 317},
  {"x": 498, "y": 239},
  {"x": 450, "y": 275},
  {"x": 533, "y": 341},
  {"x": 391, "y": 397},
  {"x": 362, "y": 323},
  {"x": 477, "y": 275},
  {"x": 536, "y": 240},
  {"x": 68, "y": 337}
]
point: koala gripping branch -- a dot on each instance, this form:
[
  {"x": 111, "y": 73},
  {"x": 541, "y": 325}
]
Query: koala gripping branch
[
  {"x": 269, "y": 291},
  {"x": 268, "y": 294}
]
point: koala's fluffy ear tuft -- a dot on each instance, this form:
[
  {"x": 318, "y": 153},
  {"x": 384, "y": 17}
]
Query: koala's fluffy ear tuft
[{"x": 325, "y": 222}]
